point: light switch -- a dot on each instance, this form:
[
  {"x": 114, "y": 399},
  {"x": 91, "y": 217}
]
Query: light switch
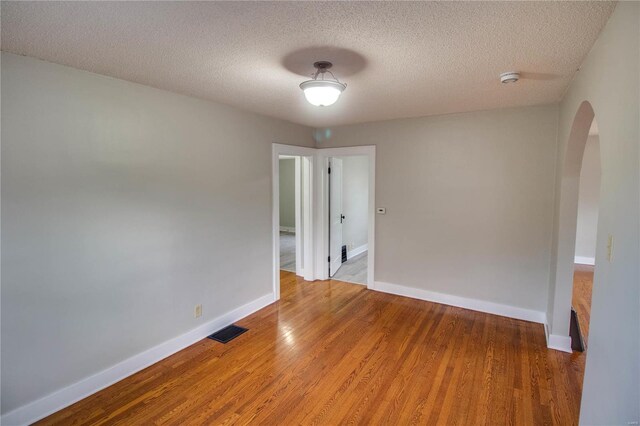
[{"x": 381, "y": 210}]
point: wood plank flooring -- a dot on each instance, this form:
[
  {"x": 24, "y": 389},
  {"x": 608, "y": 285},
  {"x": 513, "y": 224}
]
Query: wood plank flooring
[
  {"x": 581, "y": 301},
  {"x": 334, "y": 353}
]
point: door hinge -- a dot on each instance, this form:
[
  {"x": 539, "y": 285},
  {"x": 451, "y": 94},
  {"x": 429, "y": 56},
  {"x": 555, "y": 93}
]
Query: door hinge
[
  {"x": 329, "y": 170},
  {"x": 329, "y": 259}
]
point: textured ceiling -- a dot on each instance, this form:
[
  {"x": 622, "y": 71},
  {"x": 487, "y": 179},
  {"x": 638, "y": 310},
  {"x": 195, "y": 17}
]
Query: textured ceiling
[{"x": 399, "y": 59}]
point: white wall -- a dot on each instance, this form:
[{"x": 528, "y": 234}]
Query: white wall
[
  {"x": 609, "y": 79},
  {"x": 469, "y": 201},
  {"x": 588, "y": 198},
  {"x": 288, "y": 192},
  {"x": 123, "y": 207},
  {"x": 355, "y": 201}
]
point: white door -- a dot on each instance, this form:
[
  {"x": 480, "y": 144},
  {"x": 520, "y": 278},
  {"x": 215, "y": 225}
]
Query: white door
[{"x": 335, "y": 215}]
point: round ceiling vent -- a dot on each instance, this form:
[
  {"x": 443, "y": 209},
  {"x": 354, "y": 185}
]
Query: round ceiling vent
[{"x": 509, "y": 77}]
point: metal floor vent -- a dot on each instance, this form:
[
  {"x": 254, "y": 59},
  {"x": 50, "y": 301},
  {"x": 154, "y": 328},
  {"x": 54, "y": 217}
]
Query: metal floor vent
[{"x": 227, "y": 334}]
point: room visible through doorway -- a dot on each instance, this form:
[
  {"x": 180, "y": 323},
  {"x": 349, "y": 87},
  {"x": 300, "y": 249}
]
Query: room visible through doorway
[
  {"x": 289, "y": 180},
  {"x": 349, "y": 218},
  {"x": 292, "y": 169},
  {"x": 586, "y": 239}
]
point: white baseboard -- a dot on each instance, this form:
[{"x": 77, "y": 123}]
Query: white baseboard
[
  {"x": 289, "y": 229},
  {"x": 463, "y": 302},
  {"x": 64, "y": 397},
  {"x": 583, "y": 260},
  {"x": 356, "y": 251},
  {"x": 559, "y": 343}
]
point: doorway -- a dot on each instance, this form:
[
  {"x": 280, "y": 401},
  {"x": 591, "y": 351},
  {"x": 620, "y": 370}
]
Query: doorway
[
  {"x": 348, "y": 218},
  {"x": 586, "y": 237},
  {"x": 312, "y": 214},
  {"x": 563, "y": 272},
  {"x": 290, "y": 206},
  {"x": 346, "y": 247},
  {"x": 292, "y": 217}
]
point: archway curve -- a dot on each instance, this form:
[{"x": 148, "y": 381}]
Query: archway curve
[
  {"x": 577, "y": 140},
  {"x": 559, "y": 309}
]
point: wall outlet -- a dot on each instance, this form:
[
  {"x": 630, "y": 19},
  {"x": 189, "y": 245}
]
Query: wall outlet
[
  {"x": 610, "y": 248},
  {"x": 197, "y": 311}
]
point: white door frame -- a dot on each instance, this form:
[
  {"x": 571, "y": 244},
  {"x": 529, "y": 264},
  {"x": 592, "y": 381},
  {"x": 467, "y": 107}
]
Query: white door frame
[
  {"x": 322, "y": 210},
  {"x": 298, "y": 216},
  {"x": 304, "y": 211}
]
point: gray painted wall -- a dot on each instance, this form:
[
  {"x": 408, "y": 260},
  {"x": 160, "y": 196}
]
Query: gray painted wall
[
  {"x": 588, "y": 199},
  {"x": 355, "y": 201},
  {"x": 469, "y": 201},
  {"x": 609, "y": 79},
  {"x": 288, "y": 192},
  {"x": 123, "y": 207}
]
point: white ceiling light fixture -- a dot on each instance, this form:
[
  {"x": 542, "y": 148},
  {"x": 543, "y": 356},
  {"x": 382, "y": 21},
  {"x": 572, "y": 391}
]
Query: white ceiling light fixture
[
  {"x": 509, "y": 77},
  {"x": 320, "y": 91}
]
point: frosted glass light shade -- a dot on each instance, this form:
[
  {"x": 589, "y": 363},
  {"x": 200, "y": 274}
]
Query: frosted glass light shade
[{"x": 322, "y": 92}]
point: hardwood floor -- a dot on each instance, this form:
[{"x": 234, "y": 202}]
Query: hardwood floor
[
  {"x": 581, "y": 301},
  {"x": 334, "y": 353}
]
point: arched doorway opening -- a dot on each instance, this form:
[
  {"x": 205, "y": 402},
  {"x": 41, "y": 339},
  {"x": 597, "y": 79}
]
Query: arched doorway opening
[
  {"x": 565, "y": 254},
  {"x": 586, "y": 238}
]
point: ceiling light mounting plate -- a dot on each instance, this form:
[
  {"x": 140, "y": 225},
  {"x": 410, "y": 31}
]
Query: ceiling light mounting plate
[{"x": 322, "y": 65}]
